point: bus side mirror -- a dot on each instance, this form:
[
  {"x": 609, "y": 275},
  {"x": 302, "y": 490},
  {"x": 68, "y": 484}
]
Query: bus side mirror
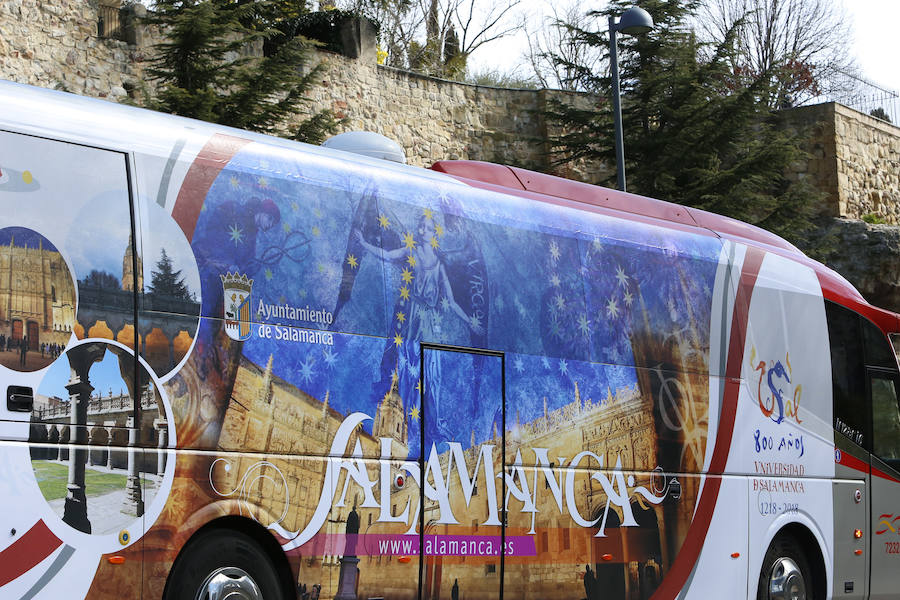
[{"x": 19, "y": 398}]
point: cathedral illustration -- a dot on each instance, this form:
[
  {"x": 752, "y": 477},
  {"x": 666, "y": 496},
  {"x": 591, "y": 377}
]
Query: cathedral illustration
[{"x": 37, "y": 295}]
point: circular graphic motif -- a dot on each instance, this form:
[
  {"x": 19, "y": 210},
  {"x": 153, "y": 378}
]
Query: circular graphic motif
[
  {"x": 165, "y": 276},
  {"x": 37, "y": 316},
  {"x": 101, "y": 476}
]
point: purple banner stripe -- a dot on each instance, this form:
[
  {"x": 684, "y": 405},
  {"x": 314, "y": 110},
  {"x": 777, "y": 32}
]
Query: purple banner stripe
[{"x": 374, "y": 544}]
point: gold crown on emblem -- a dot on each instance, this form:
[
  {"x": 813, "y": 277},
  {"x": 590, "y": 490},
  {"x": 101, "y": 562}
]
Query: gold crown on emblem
[{"x": 231, "y": 281}]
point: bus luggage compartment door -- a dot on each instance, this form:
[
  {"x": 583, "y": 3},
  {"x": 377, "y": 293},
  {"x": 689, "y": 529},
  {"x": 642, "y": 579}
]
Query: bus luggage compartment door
[{"x": 462, "y": 451}]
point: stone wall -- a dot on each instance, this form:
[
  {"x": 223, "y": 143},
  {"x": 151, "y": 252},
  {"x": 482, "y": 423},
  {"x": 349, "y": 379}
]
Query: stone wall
[
  {"x": 55, "y": 45},
  {"x": 854, "y": 159},
  {"x": 434, "y": 119}
]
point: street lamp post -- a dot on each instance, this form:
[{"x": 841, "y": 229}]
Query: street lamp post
[{"x": 633, "y": 21}]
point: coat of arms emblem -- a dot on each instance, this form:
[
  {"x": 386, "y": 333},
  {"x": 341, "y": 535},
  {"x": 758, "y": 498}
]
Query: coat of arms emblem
[{"x": 236, "y": 288}]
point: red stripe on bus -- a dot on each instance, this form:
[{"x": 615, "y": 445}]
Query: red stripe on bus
[
  {"x": 674, "y": 581},
  {"x": 851, "y": 462},
  {"x": 217, "y": 152},
  {"x": 884, "y": 475},
  {"x": 28, "y": 551}
]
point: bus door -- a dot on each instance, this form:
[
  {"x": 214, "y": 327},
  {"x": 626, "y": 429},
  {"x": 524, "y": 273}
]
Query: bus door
[
  {"x": 68, "y": 368},
  {"x": 462, "y": 457},
  {"x": 885, "y": 484}
]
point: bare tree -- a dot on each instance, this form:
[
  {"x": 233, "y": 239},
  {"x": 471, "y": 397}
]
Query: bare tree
[
  {"x": 558, "y": 54},
  {"x": 437, "y": 36},
  {"x": 400, "y": 22},
  {"x": 801, "y": 46}
]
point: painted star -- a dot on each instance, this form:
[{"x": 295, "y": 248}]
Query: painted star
[
  {"x": 475, "y": 322},
  {"x": 519, "y": 364},
  {"x": 433, "y": 242},
  {"x": 406, "y": 275},
  {"x": 317, "y": 212},
  {"x": 351, "y": 260},
  {"x": 629, "y": 298},
  {"x": 621, "y": 277},
  {"x": 306, "y": 370},
  {"x": 554, "y": 250},
  {"x": 286, "y": 227},
  {"x": 269, "y": 274},
  {"x": 584, "y": 325},
  {"x": 612, "y": 308},
  {"x": 428, "y": 214},
  {"x": 408, "y": 241},
  {"x": 234, "y": 182},
  {"x": 383, "y": 221},
  {"x": 560, "y": 302},
  {"x": 438, "y": 229},
  {"x": 263, "y": 182},
  {"x": 411, "y": 260},
  {"x": 556, "y": 328},
  {"x": 414, "y": 413},
  {"x": 294, "y": 206},
  {"x": 563, "y": 366},
  {"x": 398, "y": 340},
  {"x": 404, "y": 293},
  {"x": 598, "y": 244},
  {"x": 316, "y": 231},
  {"x": 302, "y": 293},
  {"x": 330, "y": 357},
  {"x": 401, "y": 316},
  {"x": 554, "y": 280},
  {"x": 545, "y": 362},
  {"x": 237, "y": 236},
  {"x": 445, "y": 304}
]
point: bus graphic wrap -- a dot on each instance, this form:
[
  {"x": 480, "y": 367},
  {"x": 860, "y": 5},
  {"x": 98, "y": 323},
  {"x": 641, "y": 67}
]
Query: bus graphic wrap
[{"x": 390, "y": 383}]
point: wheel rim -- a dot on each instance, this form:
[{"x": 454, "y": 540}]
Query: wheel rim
[
  {"x": 229, "y": 583},
  {"x": 786, "y": 581}
]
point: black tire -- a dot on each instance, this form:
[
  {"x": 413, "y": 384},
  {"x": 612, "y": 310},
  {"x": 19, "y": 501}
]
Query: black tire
[
  {"x": 223, "y": 557},
  {"x": 785, "y": 566}
]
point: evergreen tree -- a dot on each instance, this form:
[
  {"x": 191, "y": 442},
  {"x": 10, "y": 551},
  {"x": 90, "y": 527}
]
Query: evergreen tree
[
  {"x": 166, "y": 281},
  {"x": 880, "y": 113},
  {"x": 203, "y": 70},
  {"x": 101, "y": 279},
  {"x": 695, "y": 132}
]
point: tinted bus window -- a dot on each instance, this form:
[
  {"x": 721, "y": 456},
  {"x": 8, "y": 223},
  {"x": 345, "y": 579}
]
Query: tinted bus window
[
  {"x": 885, "y": 419},
  {"x": 879, "y": 352},
  {"x": 847, "y": 375}
]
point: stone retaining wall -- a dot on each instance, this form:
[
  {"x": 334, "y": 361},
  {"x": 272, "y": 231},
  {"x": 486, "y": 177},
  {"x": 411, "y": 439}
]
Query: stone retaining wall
[{"x": 854, "y": 158}]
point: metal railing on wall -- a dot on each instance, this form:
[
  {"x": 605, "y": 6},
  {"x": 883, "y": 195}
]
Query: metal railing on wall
[{"x": 865, "y": 96}]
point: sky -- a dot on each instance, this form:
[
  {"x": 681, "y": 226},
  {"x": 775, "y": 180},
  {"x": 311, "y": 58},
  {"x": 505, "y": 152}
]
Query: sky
[{"x": 874, "y": 43}]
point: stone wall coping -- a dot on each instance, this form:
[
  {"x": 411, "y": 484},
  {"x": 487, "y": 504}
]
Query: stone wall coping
[
  {"x": 884, "y": 126},
  {"x": 422, "y": 76}
]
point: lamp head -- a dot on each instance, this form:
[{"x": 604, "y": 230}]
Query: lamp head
[{"x": 635, "y": 21}]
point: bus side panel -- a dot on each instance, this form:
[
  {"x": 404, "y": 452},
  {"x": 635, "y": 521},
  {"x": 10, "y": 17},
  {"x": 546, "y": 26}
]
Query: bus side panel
[{"x": 783, "y": 435}]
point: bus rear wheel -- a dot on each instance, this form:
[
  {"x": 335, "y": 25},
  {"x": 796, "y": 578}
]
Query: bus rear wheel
[
  {"x": 785, "y": 573},
  {"x": 220, "y": 565}
]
